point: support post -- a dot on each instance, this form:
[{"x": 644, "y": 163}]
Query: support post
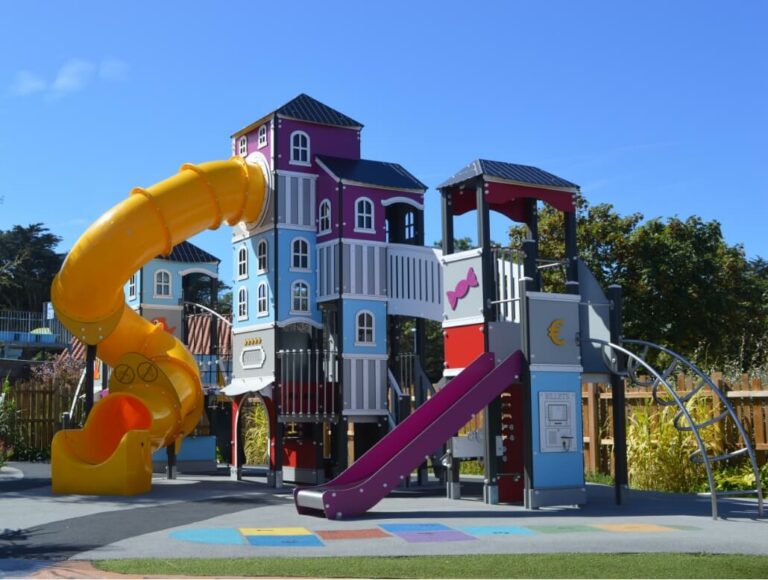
[
  {"x": 571, "y": 254},
  {"x": 170, "y": 469},
  {"x": 525, "y": 343},
  {"x": 618, "y": 398},
  {"x": 90, "y": 361},
  {"x": 447, "y": 207},
  {"x": 531, "y": 247}
]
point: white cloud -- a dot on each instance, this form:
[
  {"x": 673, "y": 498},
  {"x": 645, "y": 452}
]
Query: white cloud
[
  {"x": 73, "y": 76},
  {"x": 27, "y": 83},
  {"x": 112, "y": 69}
]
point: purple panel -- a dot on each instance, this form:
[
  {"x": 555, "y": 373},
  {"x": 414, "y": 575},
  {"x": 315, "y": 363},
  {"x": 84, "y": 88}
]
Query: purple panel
[
  {"x": 353, "y": 192},
  {"x": 385, "y": 465},
  {"x": 424, "y": 537},
  {"x": 323, "y": 140},
  {"x": 253, "y": 142}
]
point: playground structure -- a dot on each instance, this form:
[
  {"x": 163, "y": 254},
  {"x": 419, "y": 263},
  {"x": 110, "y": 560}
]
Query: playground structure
[{"x": 330, "y": 265}]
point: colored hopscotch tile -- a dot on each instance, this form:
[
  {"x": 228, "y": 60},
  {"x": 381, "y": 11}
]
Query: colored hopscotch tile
[
  {"x": 497, "y": 531},
  {"x": 642, "y": 528},
  {"x": 405, "y": 528},
  {"x": 285, "y": 541},
  {"x": 365, "y": 534},
  {"x": 570, "y": 529},
  {"x": 211, "y": 536},
  {"x": 438, "y": 536},
  {"x": 682, "y": 528},
  {"x": 275, "y": 532}
]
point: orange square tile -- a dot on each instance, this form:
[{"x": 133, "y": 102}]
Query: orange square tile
[
  {"x": 642, "y": 528},
  {"x": 365, "y": 534}
]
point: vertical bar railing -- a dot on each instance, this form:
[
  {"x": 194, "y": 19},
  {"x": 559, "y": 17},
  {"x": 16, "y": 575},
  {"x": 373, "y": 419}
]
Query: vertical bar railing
[{"x": 308, "y": 382}]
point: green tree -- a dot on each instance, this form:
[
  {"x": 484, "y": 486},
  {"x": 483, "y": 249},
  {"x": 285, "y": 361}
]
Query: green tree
[{"x": 28, "y": 263}]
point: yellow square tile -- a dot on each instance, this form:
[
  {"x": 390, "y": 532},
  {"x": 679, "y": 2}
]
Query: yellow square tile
[
  {"x": 644, "y": 528},
  {"x": 275, "y": 532}
]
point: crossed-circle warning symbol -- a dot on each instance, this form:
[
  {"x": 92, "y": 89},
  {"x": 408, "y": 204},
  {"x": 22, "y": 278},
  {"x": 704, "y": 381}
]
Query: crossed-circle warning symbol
[
  {"x": 124, "y": 374},
  {"x": 147, "y": 372}
]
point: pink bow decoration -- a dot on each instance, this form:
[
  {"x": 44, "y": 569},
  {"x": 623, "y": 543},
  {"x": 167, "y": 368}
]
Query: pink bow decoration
[{"x": 462, "y": 288}]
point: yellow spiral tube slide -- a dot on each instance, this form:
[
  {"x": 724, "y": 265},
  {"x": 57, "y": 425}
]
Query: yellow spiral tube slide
[{"x": 155, "y": 391}]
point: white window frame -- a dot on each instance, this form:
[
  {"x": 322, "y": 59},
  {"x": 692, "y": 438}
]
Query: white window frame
[
  {"x": 294, "y": 287},
  {"x": 324, "y": 219},
  {"x": 262, "y": 300},
  {"x": 294, "y": 254},
  {"x": 157, "y": 282},
  {"x": 263, "y": 136},
  {"x": 409, "y": 227},
  {"x": 242, "y": 146},
  {"x": 298, "y": 149},
  {"x": 242, "y": 263},
  {"x": 132, "y": 287},
  {"x": 360, "y": 201},
  {"x": 242, "y": 303},
  {"x": 358, "y": 327},
  {"x": 262, "y": 256}
]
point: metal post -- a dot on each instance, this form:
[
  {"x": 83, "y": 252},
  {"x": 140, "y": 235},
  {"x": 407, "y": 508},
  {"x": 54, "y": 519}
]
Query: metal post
[
  {"x": 447, "y": 222},
  {"x": 90, "y": 361},
  {"x": 527, "y": 395},
  {"x": 618, "y": 404},
  {"x": 170, "y": 470},
  {"x": 571, "y": 254},
  {"x": 531, "y": 247}
]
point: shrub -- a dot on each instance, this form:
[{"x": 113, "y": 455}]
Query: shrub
[{"x": 11, "y": 435}]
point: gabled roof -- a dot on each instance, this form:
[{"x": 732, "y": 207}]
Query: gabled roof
[
  {"x": 305, "y": 108},
  {"x": 367, "y": 172},
  {"x": 524, "y": 174},
  {"x": 189, "y": 252}
]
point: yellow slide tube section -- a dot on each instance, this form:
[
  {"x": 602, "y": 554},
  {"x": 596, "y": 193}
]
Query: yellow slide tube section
[{"x": 148, "y": 363}]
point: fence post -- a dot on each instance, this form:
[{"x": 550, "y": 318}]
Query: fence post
[{"x": 593, "y": 427}]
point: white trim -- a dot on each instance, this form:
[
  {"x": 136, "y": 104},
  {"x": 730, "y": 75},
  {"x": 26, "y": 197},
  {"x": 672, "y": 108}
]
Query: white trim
[
  {"x": 248, "y": 385},
  {"x": 240, "y": 303},
  {"x": 299, "y": 320},
  {"x": 364, "y": 230},
  {"x": 358, "y": 314},
  {"x": 320, "y": 230},
  {"x": 535, "y": 185},
  {"x": 289, "y": 173},
  {"x": 371, "y": 297},
  {"x": 406, "y": 200},
  {"x": 253, "y": 328},
  {"x": 458, "y": 256},
  {"x": 243, "y": 249},
  {"x": 374, "y": 243},
  {"x": 467, "y": 321},
  {"x": 293, "y": 268},
  {"x": 381, "y": 187},
  {"x": 194, "y": 270},
  {"x": 154, "y": 285},
  {"x": 550, "y": 297},
  {"x": 297, "y": 228},
  {"x": 242, "y": 146},
  {"x": 262, "y": 129},
  {"x": 552, "y": 368},
  {"x": 294, "y": 284},
  {"x": 364, "y": 356},
  {"x": 451, "y": 373},
  {"x": 259, "y": 159},
  {"x": 262, "y": 313},
  {"x": 132, "y": 286},
  {"x": 291, "y": 160},
  {"x": 266, "y": 253},
  {"x": 160, "y": 307},
  {"x": 255, "y": 348}
]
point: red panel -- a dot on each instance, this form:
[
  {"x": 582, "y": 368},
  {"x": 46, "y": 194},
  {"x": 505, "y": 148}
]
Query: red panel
[
  {"x": 507, "y": 199},
  {"x": 463, "y": 344},
  {"x": 511, "y": 482},
  {"x": 299, "y": 453}
]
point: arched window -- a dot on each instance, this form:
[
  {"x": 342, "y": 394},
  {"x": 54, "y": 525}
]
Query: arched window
[
  {"x": 262, "y": 136},
  {"x": 262, "y": 306},
  {"x": 324, "y": 223},
  {"x": 132, "y": 287},
  {"x": 242, "y": 263},
  {"x": 299, "y": 254},
  {"x": 162, "y": 284},
  {"x": 299, "y": 148},
  {"x": 364, "y": 333},
  {"x": 242, "y": 146},
  {"x": 410, "y": 226},
  {"x": 261, "y": 256},
  {"x": 242, "y": 304},
  {"x": 300, "y": 297},
  {"x": 364, "y": 215}
]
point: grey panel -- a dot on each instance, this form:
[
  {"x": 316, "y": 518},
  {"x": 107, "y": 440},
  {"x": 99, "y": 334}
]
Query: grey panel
[
  {"x": 381, "y": 384},
  {"x": 563, "y": 496},
  {"x": 554, "y": 328},
  {"x": 504, "y": 338},
  {"x": 455, "y": 273},
  {"x": 347, "y": 395},
  {"x": 267, "y": 344},
  {"x": 359, "y": 385},
  {"x": 345, "y": 268},
  {"x": 359, "y": 271},
  {"x": 294, "y": 193},
  {"x": 281, "y": 193},
  {"x": 594, "y": 317},
  {"x": 306, "y": 201},
  {"x": 371, "y": 401},
  {"x": 382, "y": 289},
  {"x": 370, "y": 269}
]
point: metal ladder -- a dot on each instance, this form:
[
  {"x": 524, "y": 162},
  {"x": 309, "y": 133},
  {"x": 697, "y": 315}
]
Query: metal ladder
[{"x": 683, "y": 421}]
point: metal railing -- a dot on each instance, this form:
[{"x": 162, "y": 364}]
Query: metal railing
[
  {"x": 18, "y": 326},
  {"x": 308, "y": 384}
]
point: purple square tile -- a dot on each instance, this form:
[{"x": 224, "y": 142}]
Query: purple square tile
[{"x": 437, "y": 536}]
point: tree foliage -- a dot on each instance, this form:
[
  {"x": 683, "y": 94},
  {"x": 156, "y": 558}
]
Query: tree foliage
[
  {"x": 684, "y": 286},
  {"x": 28, "y": 263}
]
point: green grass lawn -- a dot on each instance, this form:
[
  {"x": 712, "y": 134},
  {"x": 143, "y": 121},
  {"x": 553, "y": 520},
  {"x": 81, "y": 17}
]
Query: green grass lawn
[{"x": 475, "y": 566}]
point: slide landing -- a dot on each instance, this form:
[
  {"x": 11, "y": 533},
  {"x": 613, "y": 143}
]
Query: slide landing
[
  {"x": 155, "y": 395},
  {"x": 391, "y": 460}
]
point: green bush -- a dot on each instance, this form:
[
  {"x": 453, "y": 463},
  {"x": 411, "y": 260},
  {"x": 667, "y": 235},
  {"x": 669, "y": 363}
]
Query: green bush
[
  {"x": 740, "y": 477},
  {"x": 11, "y": 435}
]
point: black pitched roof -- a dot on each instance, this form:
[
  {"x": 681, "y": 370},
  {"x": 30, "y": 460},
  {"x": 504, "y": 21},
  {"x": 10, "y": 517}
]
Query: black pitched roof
[
  {"x": 189, "y": 252},
  {"x": 305, "y": 108},
  {"x": 511, "y": 171},
  {"x": 376, "y": 173}
]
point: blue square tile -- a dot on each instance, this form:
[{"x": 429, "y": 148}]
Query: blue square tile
[
  {"x": 286, "y": 541},
  {"x": 210, "y": 536},
  {"x": 497, "y": 531}
]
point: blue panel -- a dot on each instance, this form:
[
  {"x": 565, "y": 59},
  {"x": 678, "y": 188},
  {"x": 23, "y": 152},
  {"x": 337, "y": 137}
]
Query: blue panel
[
  {"x": 288, "y": 275},
  {"x": 253, "y": 279},
  {"x": 192, "y": 449},
  {"x": 352, "y": 307},
  {"x": 210, "y": 536},
  {"x": 560, "y": 469}
]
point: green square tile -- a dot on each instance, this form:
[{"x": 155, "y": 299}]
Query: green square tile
[{"x": 570, "y": 529}]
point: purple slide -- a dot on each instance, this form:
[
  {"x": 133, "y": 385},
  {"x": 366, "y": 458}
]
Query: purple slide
[{"x": 386, "y": 464}]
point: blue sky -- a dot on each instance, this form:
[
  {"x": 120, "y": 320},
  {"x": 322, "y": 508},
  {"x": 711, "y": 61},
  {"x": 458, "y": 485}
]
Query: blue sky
[{"x": 655, "y": 107}]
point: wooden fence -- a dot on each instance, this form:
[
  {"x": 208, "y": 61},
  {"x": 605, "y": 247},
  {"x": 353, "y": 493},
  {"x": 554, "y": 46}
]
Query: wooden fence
[
  {"x": 749, "y": 398},
  {"x": 40, "y": 408}
]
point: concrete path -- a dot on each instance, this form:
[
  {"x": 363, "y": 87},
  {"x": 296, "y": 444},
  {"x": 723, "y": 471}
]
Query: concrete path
[{"x": 214, "y": 517}]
